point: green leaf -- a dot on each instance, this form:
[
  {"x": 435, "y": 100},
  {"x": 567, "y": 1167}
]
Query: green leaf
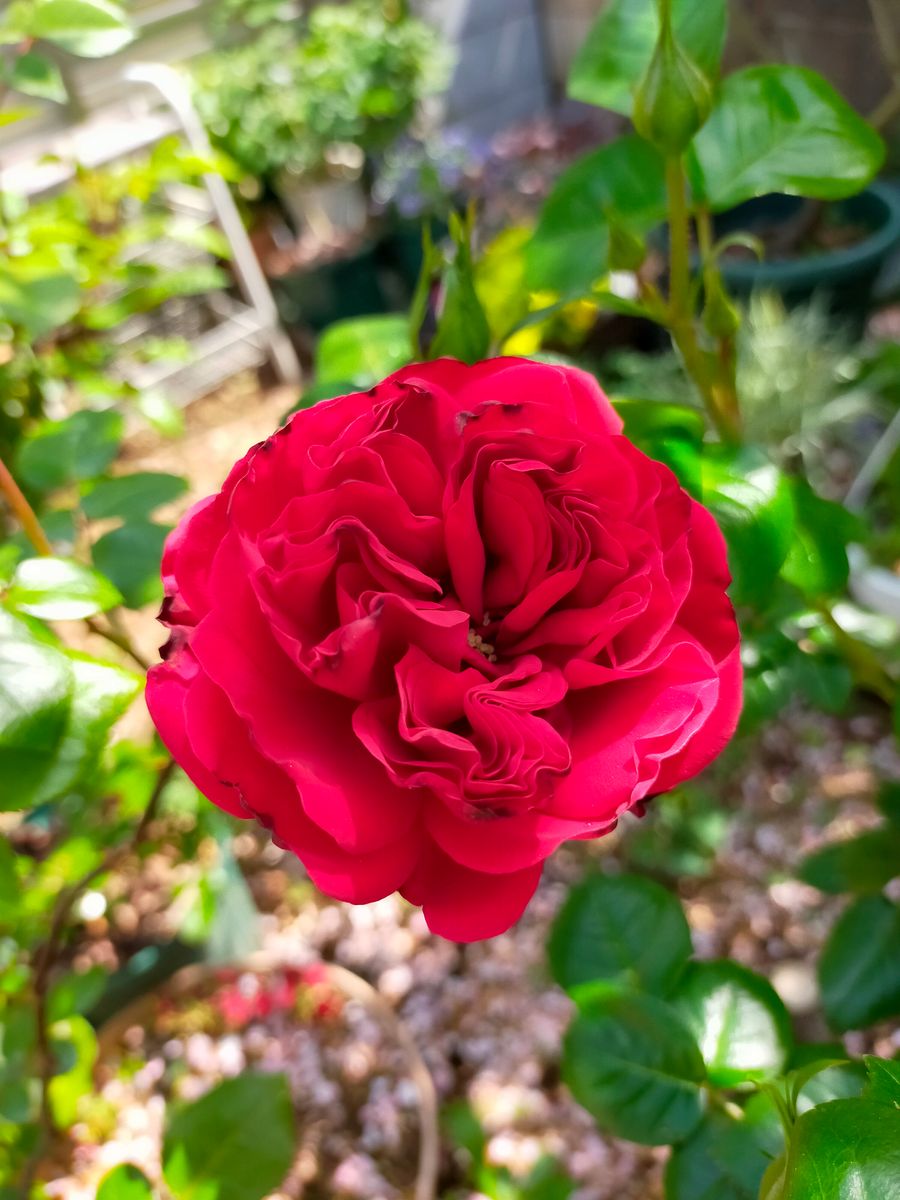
[
  {"x": 59, "y": 452},
  {"x": 34, "y": 75},
  {"x": 751, "y": 500},
  {"x": 859, "y": 971},
  {"x": 782, "y": 129},
  {"x": 821, "y": 676},
  {"x": 618, "y": 49},
  {"x": 235, "y": 1143},
  {"x": 57, "y": 589},
  {"x": 835, "y": 1081},
  {"x": 725, "y": 1159},
  {"x": 89, "y": 28},
  {"x": 620, "y": 928},
  {"x": 166, "y": 418},
  {"x": 817, "y": 560},
  {"x": 362, "y": 350},
  {"x": 845, "y": 1150},
  {"x": 125, "y": 1182},
  {"x": 130, "y": 556},
  {"x": 36, "y": 685},
  {"x": 570, "y": 248},
  {"x": 861, "y": 864},
  {"x": 741, "y": 1026},
  {"x": 17, "y": 1038},
  {"x": 884, "y": 1080},
  {"x": 671, "y": 433},
  {"x": 101, "y": 694},
  {"x": 38, "y": 306},
  {"x": 132, "y": 497},
  {"x": 75, "y": 1050},
  {"x": 632, "y": 1063},
  {"x": 462, "y": 331}
]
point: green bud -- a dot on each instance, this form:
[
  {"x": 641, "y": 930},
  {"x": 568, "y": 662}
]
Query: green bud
[
  {"x": 721, "y": 316},
  {"x": 627, "y": 251},
  {"x": 674, "y": 98}
]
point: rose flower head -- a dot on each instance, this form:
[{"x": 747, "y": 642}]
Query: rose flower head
[{"x": 426, "y": 633}]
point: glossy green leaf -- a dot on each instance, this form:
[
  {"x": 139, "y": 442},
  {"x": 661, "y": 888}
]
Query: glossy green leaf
[
  {"x": 61, "y": 452},
  {"x": 861, "y": 864},
  {"x": 57, "y": 589},
  {"x": 845, "y": 1150},
  {"x": 130, "y": 556},
  {"x": 90, "y": 28},
  {"x": 362, "y": 350},
  {"x": 620, "y": 928},
  {"x": 751, "y": 499},
  {"x": 569, "y": 251},
  {"x": 835, "y": 1081},
  {"x": 884, "y": 1080},
  {"x": 37, "y": 305},
  {"x": 35, "y": 75},
  {"x": 132, "y": 497},
  {"x": 817, "y": 560},
  {"x": 725, "y": 1159},
  {"x": 36, "y": 686},
  {"x": 741, "y": 1026},
  {"x": 619, "y": 46},
  {"x": 235, "y": 1143},
  {"x": 631, "y": 1062},
  {"x": 125, "y": 1182},
  {"x": 859, "y": 971},
  {"x": 782, "y": 129}
]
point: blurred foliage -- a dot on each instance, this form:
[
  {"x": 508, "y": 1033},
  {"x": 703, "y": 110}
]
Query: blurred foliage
[
  {"x": 806, "y": 386},
  {"x": 78, "y": 267},
  {"x": 545, "y": 1181},
  {"x": 295, "y": 100}
]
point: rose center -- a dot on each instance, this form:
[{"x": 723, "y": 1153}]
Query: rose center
[{"x": 477, "y": 642}]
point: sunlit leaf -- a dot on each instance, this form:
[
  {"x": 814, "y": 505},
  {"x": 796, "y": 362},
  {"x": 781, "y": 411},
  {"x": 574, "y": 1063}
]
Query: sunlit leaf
[
  {"x": 632, "y": 1063},
  {"x": 620, "y": 928},
  {"x": 58, "y": 589}
]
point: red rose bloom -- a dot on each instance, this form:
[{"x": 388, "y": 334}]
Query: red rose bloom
[{"x": 426, "y": 633}]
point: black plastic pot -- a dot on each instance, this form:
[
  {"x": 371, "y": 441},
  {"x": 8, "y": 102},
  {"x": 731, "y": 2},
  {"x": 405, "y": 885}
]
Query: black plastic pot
[
  {"x": 315, "y": 297},
  {"x": 847, "y": 277}
]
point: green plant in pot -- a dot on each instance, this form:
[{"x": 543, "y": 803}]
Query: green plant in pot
[{"x": 305, "y": 119}]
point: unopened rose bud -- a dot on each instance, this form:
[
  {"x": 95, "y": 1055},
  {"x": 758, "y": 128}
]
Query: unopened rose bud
[{"x": 674, "y": 98}]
